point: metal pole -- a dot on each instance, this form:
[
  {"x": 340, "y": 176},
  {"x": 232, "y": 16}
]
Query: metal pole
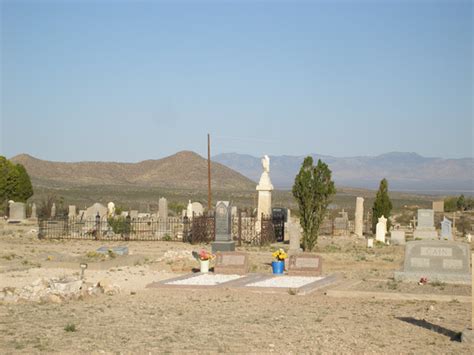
[{"x": 209, "y": 172}]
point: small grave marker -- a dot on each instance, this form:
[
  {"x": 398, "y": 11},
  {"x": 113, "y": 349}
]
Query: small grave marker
[
  {"x": 232, "y": 263},
  {"x": 305, "y": 265}
]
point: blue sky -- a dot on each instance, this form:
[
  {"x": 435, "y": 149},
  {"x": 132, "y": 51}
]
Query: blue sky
[{"x": 128, "y": 81}]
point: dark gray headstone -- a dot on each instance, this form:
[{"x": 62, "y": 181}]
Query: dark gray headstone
[
  {"x": 223, "y": 220},
  {"x": 444, "y": 261}
]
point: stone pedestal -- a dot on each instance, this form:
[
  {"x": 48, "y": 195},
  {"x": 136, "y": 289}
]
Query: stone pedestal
[{"x": 359, "y": 217}]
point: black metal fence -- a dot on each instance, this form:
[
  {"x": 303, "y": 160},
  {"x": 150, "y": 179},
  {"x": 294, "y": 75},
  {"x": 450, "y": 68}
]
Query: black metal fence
[
  {"x": 198, "y": 229},
  {"x": 167, "y": 229}
]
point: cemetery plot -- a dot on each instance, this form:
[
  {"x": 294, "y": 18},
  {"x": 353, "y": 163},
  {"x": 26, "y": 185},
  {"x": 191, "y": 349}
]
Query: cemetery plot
[{"x": 205, "y": 280}]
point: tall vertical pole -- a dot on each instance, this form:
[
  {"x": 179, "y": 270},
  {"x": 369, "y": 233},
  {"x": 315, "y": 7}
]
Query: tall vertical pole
[{"x": 209, "y": 172}]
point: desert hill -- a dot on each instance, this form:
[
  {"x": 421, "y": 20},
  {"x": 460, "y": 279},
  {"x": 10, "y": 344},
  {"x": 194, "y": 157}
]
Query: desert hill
[{"x": 184, "y": 170}]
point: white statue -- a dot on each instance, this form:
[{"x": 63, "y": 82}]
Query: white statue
[{"x": 266, "y": 163}]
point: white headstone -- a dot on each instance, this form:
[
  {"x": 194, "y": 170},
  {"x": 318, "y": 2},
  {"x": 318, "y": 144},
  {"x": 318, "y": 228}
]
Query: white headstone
[
  {"x": 53, "y": 210},
  {"x": 381, "y": 229},
  {"x": 95, "y": 209},
  {"x": 17, "y": 211},
  {"x": 197, "y": 208},
  {"x": 72, "y": 212},
  {"x": 370, "y": 243}
]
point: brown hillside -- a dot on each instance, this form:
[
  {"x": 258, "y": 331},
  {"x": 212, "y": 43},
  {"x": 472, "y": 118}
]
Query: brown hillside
[{"x": 184, "y": 170}]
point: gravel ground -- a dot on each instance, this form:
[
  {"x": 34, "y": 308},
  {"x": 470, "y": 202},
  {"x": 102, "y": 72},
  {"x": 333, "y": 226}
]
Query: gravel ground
[{"x": 159, "y": 320}]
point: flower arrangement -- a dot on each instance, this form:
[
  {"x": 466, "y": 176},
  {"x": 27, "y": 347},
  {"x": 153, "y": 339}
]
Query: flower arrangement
[
  {"x": 205, "y": 255},
  {"x": 280, "y": 255}
]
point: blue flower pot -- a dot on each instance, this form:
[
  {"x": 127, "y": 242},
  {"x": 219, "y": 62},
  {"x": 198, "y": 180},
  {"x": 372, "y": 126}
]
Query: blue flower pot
[{"x": 278, "y": 267}]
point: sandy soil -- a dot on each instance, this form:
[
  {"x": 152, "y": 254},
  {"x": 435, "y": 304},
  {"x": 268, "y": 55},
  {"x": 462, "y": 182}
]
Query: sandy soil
[{"x": 141, "y": 320}]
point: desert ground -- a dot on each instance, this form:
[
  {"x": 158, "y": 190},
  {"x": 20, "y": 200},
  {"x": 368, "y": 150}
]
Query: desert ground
[{"x": 160, "y": 320}]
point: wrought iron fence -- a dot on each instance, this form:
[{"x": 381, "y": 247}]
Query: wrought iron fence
[
  {"x": 166, "y": 229},
  {"x": 245, "y": 229}
]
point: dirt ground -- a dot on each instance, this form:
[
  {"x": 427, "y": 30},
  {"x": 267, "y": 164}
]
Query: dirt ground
[{"x": 143, "y": 320}]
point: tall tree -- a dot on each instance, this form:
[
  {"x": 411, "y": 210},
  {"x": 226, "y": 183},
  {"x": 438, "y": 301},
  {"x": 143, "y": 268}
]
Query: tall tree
[
  {"x": 382, "y": 205},
  {"x": 312, "y": 190},
  {"x": 24, "y": 187},
  {"x": 15, "y": 183}
]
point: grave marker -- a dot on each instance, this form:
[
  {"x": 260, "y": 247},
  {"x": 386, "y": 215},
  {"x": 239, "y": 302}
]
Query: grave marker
[
  {"x": 425, "y": 228},
  {"x": 446, "y": 229},
  {"x": 17, "y": 212},
  {"x": 232, "y": 263},
  {"x": 305, "y": 265},
  {"x": 443, "y": 261},
  {"x": 223, "y": 220},
  {"x": 397, "y": 237}
]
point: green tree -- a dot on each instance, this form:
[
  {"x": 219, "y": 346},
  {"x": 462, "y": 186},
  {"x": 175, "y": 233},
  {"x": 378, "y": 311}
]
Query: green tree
[
  {"x": 450, "y": 204},
  {"x": 382, "y": 205},
  {"x": 312, "y": 190},
  {"x": 461, "y": 203},
  {"x": 24, "y": 188}
]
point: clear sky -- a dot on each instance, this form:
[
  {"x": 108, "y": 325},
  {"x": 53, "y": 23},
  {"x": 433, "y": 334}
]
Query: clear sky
[{"x": 128, "y": 80}]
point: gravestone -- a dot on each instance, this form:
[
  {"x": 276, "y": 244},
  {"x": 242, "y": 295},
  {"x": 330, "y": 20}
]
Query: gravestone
[
  {"x": 163, "y": 208},
  {"x": 96, "y": 208},
  {"x": 232, "y": 262},
  {"x": 425, "y": 228},
  {"x": 133, "y": 214},
  {"x": 72, "y": 212},
  {"x": 370, "y": 243},
  {"x": 446, "y": 229},
  {"x": 223, "y": 222},
  {"x": 341, "y": 224},
  {"x": 381, "y": 229},
  {"x": 359, "y": 217},
  {"x": 17, "y": 212},
  {"x": 34, "y": 214},
  {"x": 197, "y": 209},
  {"x": 53, "y": 210},
  {"x": 397, "y": 237},
  {"x": 443, "y": 261},
  {"x": 294, "y": 235},
  {"x": 234, "y": 211},
  {"x": 305, "y": 265}
]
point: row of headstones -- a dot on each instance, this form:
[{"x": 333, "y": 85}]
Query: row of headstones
[
  {"x": 425, "y": 229},
  {"x": 109, "y": 211}
]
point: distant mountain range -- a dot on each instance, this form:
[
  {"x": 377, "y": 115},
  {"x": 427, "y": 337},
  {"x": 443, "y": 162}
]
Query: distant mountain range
[
  {"x": 404, "y": 171},
  {"x": 184, "y": 170},
  {"x": 239, "y": 172}
]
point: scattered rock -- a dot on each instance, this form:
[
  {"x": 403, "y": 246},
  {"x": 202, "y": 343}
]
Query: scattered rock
[{"x": 57, "y": 290}]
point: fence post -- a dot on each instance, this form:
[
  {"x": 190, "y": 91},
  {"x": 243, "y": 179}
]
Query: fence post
[{"x": 97, "y": 226}]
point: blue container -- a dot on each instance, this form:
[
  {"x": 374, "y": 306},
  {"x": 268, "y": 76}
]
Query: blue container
[{"x": 278, "y": 267}]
